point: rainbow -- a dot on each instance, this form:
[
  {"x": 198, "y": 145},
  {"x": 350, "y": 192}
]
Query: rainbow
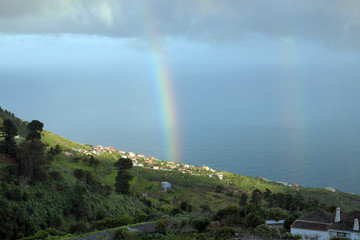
[{"x": 163, "y": 91}]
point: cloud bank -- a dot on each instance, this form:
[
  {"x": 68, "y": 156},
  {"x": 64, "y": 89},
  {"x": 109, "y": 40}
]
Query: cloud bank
[{"x": 331, "y": 22}]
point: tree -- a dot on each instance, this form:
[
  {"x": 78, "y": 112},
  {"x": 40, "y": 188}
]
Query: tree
[
  {"x": 35, "y": 128},
  {"x": 32, "y": 159},
  {"x": 123, "y": 178},
  {"x": 55, "y": 150},
  {"x": 8, "y": 145},
  {"x": 254, "y": 219},
  {"x": 200, "y": 223},
  {"x": 243, "y": 199},
  {"x": 277, "y": 214},
  {"x": 267, "y": 193},
  {"x": 225, "y": 233},
  {"x": 256, "y": 196}
]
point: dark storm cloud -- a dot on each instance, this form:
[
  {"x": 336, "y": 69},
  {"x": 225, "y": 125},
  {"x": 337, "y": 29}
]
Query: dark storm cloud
[{"x": 335, "y": 23}]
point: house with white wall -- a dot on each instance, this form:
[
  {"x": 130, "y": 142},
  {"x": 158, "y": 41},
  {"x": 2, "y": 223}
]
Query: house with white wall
[
  {"x": 313, "y": 225},
  {"x": 322, "y": 225}
]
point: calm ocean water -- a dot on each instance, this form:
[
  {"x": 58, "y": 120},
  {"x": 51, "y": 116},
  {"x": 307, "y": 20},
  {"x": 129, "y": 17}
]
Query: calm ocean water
[{"x": 303, "y": 129}]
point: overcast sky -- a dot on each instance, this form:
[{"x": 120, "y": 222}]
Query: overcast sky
[{"x": 333, "y": 23}]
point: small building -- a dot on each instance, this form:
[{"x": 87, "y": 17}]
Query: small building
[
  {"x": 68, "y": 154},
  {"x": 165, "y": 185},
  {"x": 131, "y": 154},
  {"x": 220, "y": 176},
  {"x": 331, "y": 189},
  {"x": 138, "y": 165}
]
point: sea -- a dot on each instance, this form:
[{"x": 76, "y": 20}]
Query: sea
[{"x": 301, "y": 128}]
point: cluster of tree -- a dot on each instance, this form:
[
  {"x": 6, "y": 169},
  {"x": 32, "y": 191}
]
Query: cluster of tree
[
  {"x": 20, "y": 125},
  {"x": 30, "y": 153},
  {"x": 290, "y": 202}
]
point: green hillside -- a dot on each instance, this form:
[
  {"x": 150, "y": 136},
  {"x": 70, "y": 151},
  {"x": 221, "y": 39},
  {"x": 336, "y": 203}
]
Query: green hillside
[{"x": 74, "y": 192}]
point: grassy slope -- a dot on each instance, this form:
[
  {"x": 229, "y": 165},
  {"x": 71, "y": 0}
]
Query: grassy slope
[{"x": 194, "y": 189}]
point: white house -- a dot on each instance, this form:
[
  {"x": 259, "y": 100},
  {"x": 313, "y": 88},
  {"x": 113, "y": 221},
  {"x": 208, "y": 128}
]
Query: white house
[
  {"x": 313, "y": 225},
  {"x": 322, "y": 225}
]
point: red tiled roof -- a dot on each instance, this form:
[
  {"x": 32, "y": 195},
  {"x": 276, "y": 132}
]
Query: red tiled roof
[{"x": 316, "y": 226}]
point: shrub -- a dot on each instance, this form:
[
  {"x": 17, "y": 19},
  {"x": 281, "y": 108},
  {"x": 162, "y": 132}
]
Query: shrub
[
  {"x": 113, "y": 222},
  {"x": 39, "y": 194},
  {"x": 219, "y": 189},
  {"x": 254, "y": 219},
  {"x": 185, "y": 206},
  {"x": 175, "y": 211},
  {"x": 291, "y": 219},
  {"x": 277, "y": 214},
  {"x": 227, "y": 211},
  {"x": 224, "y": 233},
  {"x": 79, "y": 227},
  {"x": 290, "y": 236},
  {"x": 200, "y": 223},
  {"x": 125, "y": 234},
  {"x": 266, "y": 231},
  {"x": 204, "y": 207},
  {"x": 14, "y": 194},
  {"x": 150, "y": 236},
  {"x": 161, "y": 225},
  {"x": 43, "y": 234},
  {"x": 54, "y": 175},
  {"x": 141, "y": 217},
  {"x": 146, "y": 201}
]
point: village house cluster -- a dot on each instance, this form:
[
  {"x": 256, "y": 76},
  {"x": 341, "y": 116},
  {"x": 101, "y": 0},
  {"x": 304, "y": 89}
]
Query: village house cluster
[{"x": 140, "y": 160}]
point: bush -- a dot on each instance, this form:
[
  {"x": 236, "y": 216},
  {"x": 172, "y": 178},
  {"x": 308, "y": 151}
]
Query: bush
[
  {"x": 227, "y": 211},
  {"x": 112, "y": 222},
  {"x": 150, "y": 236},
  {"x": 277, "y": 214},
  {"x": 43, "y": 234},
  {"x": 266, "y": 231},
  {"x": 54, "y": 175},
  {"x": 219, "y": 189},
  {"x": 176, "y": 211},
  {"x": 161, "y": 225},
  {"x": 141, "y": 217},
  {"x": 125, "y": 234},
  {"x": 254, "y": 219},
  {"x": 290, "y": 236},
  {"x": 291, "y": 219},
  {"x": 185, "y": 206},
  {"x": 224, "y": 233},
  {"x": 14, "y": 194},
  {"x": 79, "y": 227},
  {"x": 204, "y": 207},
  {"x": 200, "y": 223}
]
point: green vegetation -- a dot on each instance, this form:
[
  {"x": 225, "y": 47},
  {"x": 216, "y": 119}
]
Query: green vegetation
[
  {"x": 54, "y": 188},
  {"x": 122, "y": 180}
]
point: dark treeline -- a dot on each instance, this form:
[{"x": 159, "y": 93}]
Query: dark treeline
[{"x": 20, "y": 125}]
